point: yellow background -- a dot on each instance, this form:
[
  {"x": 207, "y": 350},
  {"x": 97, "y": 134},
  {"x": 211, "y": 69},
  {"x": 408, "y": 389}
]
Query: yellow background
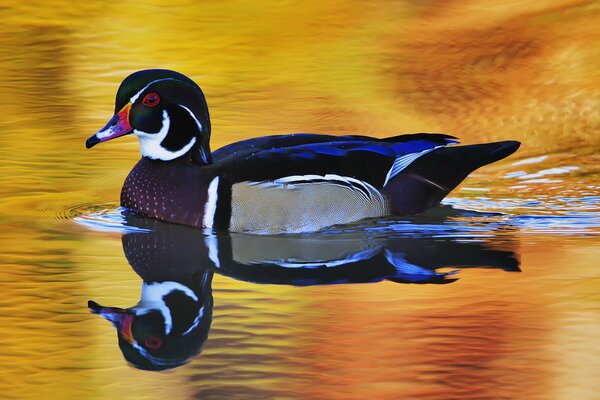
[{"x": 481, "y": 70}]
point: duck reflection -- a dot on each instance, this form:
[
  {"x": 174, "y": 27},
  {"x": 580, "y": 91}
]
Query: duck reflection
[{"x": 171, "y": 321}]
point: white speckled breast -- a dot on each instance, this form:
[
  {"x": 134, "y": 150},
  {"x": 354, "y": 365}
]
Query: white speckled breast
[
  {"x": 170, "y": 191},
  {"x": 144, "y": 193}
]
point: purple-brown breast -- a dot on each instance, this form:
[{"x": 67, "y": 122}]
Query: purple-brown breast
[{"x": 172, "y": 191}]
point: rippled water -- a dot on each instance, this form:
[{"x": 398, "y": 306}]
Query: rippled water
[{"x": 494, "y": 295}]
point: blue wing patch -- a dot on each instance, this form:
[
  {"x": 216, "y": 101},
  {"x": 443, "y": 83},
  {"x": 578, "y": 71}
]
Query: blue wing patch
[
  {"x": 371, "y": 160},
  {"x": 401, "y": 154}
]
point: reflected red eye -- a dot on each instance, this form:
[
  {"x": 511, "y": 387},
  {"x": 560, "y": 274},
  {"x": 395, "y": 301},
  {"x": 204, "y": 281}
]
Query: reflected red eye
[
  {"x": 153, "y": 343},
  {"x": 151, "y": 99}
]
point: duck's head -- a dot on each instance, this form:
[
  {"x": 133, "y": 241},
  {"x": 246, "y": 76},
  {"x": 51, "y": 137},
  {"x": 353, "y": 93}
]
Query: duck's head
[
  {"x": 166, "y": 110},
  {"x": 166, "y": 328}
]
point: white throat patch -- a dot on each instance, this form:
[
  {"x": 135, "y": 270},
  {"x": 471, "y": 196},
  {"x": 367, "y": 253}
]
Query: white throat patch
[{"x": 150, "y": 143}]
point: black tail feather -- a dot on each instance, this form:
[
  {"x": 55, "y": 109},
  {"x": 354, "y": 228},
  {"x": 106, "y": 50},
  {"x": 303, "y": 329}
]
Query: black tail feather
[
  {"x": 449, "y": 166},
  {"x": 426, "y": 181}
]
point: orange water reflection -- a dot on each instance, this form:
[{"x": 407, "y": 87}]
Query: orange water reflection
[{"x": 478, "y": 69}]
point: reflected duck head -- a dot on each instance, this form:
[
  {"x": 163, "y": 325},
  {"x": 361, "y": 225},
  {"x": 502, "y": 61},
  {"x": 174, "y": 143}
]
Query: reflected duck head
[
  {"x": 168, "y": 113},
  {"x": 167, "y": 327}
]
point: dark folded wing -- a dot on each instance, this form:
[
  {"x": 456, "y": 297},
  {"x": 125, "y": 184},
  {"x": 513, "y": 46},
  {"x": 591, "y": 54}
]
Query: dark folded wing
[{"x": 366, "y": 159}]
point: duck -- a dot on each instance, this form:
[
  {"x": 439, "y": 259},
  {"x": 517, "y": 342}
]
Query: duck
[{"x": 290, "y": 183}]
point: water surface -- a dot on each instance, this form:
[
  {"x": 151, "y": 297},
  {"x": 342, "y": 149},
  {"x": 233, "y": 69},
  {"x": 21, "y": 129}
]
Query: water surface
[{"x": 494, "y": 295}]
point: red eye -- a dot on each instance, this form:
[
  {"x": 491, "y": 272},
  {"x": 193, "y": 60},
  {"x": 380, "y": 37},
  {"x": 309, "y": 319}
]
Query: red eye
[
  {"x": 153, "y": 343},
  {"x": 151, "y": 99}
]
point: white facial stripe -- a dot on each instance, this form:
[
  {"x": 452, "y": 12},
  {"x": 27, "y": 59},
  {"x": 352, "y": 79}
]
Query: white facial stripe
[
  {"x": 196, "y": 321},
  {"x": 150, "y": 143},
  {"x": 192, "y": 115},
  {"x": 153, "y": 299},
  {"x": 137, "y": 95},
  {"x": 211, "y": 204}
]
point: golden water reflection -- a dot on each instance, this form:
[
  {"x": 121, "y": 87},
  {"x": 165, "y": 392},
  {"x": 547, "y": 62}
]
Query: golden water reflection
[{"x": 480, "y": 70}]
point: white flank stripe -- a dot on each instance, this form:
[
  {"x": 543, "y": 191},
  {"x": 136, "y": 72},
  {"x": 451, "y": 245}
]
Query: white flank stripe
[
  {"x": 211, "y": 204},
  {"x": 351, "y": 258},
  {"x": 404, "y": 161},
  {"x": 329, "y": 177},
  {"x": 192, "y": 115},
  {"x": 364, "y": 188},
  {"x": 150, "y": 143}
]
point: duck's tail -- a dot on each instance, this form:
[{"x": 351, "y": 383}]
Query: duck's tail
[{"x": 426, "y": 181}]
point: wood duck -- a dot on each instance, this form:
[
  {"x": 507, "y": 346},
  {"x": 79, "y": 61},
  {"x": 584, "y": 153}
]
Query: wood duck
[{"x": 274, "y": 184}]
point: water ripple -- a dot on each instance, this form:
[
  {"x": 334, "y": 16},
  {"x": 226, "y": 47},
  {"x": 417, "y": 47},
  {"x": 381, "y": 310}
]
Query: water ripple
[
  {"x": 107, "y": 220},
  {"x": 470, "y": 219}
]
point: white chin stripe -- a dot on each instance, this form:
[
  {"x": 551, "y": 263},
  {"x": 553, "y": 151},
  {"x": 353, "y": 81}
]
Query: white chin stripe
[{"x": 150, "y": 143}]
